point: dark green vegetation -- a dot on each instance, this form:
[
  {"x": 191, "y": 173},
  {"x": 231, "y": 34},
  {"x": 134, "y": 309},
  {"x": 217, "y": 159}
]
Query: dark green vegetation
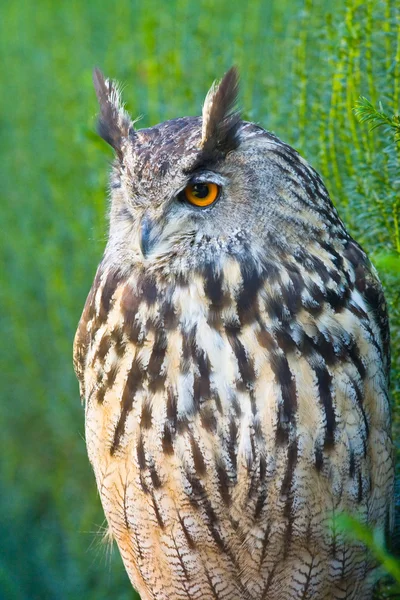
[{"x": 303, "y": 69}]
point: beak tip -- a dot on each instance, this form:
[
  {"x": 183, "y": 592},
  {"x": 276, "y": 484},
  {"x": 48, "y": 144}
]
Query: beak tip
[{"x": 146, "y": 241}]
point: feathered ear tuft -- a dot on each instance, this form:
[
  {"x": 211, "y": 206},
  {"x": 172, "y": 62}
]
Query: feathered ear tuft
[
  {"x": 220, "y": 119},
  {"x": 114, "y": 123}
]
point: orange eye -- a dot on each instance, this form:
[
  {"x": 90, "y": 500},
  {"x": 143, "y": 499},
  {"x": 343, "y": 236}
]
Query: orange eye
[{"x": 201, "y": 194}]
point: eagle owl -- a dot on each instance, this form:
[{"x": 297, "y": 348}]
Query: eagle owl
[{"x": 233, "y": 360}]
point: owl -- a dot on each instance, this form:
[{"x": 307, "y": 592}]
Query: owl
[{"x": 233, "y": 358}]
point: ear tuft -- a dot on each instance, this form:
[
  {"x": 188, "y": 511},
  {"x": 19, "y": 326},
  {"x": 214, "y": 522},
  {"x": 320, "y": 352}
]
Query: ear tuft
[
  {"x": 114, "y": 122},
  {"x": 220, "y": 119}
]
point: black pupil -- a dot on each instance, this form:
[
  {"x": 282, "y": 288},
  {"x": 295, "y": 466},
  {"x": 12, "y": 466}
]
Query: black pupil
[{"x": 200, "y": 190}]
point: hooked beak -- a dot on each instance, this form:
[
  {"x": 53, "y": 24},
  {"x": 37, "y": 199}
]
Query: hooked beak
[{"x": 149, "y": 235}]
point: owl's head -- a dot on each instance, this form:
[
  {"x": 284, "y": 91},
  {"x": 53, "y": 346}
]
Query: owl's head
[{"x": 198, "y": 191}]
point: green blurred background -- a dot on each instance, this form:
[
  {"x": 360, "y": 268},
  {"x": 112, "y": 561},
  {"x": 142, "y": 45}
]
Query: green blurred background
[{"x": 303, "y": 65}]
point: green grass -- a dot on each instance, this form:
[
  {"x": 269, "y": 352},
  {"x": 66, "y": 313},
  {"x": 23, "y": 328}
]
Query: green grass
[{"x": 303, "y": 67}]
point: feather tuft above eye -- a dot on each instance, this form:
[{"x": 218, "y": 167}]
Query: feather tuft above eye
[
  {"x": 114, "y": 123},
  {"x": 220, "y": 119}
]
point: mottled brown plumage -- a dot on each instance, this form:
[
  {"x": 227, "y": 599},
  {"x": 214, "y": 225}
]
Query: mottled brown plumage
[{"x": 233, "y": 362}]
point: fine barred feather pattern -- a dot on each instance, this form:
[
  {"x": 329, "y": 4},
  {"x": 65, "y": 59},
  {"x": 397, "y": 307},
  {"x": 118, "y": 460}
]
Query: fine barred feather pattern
[{"x": 235, "y": 379}]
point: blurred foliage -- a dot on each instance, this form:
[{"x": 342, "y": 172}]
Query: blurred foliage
[
  {"x": 367, "y": 113},
  {"x": 389, "y": 585},
  {"x": 303, "y": 67}
]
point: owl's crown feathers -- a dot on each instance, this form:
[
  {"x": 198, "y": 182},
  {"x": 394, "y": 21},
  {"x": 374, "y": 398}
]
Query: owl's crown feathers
[
  {"x": 220, "y": 120},
  {"x": 194, "y": 193}
]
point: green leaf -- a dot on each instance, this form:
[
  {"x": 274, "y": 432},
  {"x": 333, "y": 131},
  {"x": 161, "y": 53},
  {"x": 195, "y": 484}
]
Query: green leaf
[{"x": 372, "y": 539}]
